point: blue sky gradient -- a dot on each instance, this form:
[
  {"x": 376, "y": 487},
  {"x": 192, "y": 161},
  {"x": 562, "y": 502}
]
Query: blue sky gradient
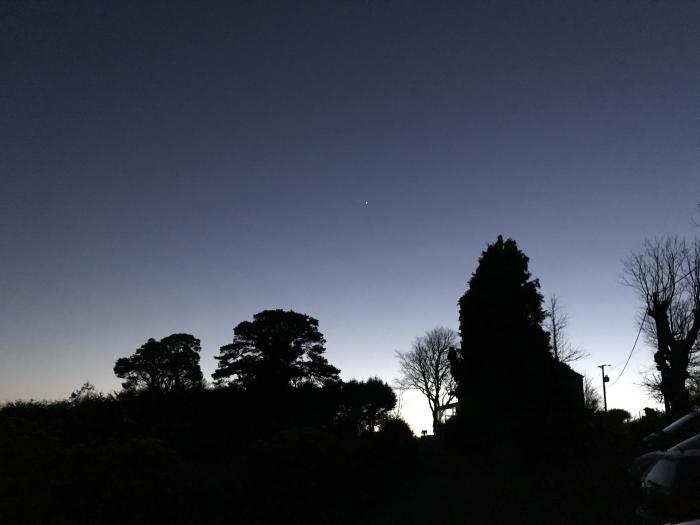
[{"x": 179, "y": 166}]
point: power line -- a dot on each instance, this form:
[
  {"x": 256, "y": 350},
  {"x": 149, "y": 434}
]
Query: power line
[{"x": 641, "y": 325}]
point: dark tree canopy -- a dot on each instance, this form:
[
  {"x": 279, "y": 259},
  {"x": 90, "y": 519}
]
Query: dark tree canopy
[
  {"x": 503, "y": 343},
  {"x": 365, "y": 404},
  {"x": 162, "y": 366},
  {"x": 277, "y": 349}
]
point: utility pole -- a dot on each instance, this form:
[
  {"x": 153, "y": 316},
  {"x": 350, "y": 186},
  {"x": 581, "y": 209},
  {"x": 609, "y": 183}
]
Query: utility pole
[{"x": 605, "y": 380}]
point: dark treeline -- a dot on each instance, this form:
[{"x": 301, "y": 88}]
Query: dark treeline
[
  {"x": 201, "y": 456},
  {"x": 280, "y": 438}
]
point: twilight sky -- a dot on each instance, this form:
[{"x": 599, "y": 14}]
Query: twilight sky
[{"x": 179, "y": 166}]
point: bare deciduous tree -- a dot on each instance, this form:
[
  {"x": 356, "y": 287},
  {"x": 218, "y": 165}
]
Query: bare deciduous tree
[
  {"x": 666, "y": 276},
  {"x": 591, "y": 397},
  {"x": 556, "y": 323},
  {"x": 651, "y": 383},
  {"x": 426, "y": 368}
]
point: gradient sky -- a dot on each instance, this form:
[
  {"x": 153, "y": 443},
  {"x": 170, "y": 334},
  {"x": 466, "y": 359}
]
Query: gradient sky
[{"x": 179, "y": 166}]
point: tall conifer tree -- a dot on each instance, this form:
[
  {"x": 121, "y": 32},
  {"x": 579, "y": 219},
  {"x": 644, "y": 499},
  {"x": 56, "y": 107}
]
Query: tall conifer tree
[{"x": 505, "y": 349}]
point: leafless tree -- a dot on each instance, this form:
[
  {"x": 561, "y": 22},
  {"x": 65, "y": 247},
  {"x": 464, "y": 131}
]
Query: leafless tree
[
  {"x": 426, "y": 368},
  {"x": 399, "y": 390},
  {"x": 666, "y": 276},
  {"x": 591, "y": 397},
  {"x": 556, "y": 324},
  {"x": 651, "y": 383}
]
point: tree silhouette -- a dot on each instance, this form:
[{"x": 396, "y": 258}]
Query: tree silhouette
[
  {"x": 426, "y": 368},
  {"x": 365, "y": 404},
  {"x": 556, "y": 323},
  {"x": 277, "y": 349},
  {"x": 162, "y": 366},
  {"x": 86, "y": 392},
  {"x": 505, "y": 351},
  {"x": 591, "y": 397},
  {"x": 666, "y": 276},
  {"x": 615, "y": 416}
]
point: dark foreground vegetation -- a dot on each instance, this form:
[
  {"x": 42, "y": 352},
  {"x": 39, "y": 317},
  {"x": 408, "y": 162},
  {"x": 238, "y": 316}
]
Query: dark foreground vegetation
[
  {"x": 226, "y": 456},
  {"x": 281, "y": 438}
]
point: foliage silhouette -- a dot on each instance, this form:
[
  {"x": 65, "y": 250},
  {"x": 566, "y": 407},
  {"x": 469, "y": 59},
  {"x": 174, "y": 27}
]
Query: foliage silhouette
[
  {"x": 365, "y": 404},
  {"x": 616, "y": 416},
  {"x": 162, "y": 366},
  {"x": 233, "y": 455},
  {"x": 287, "y": 441},
  {"x": 85, "y": 393},
  {"x": 396, "y": 429},
  {"x": 504, "y": 346},
  {"x": 192, "y": 456},
  {"x": 277, "y": 349}
]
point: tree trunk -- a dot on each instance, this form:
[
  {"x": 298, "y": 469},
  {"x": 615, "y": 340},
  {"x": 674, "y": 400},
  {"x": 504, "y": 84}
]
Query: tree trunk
[
  {"x": 671, "y": 359},
  {"x": 678, "y": 359}
]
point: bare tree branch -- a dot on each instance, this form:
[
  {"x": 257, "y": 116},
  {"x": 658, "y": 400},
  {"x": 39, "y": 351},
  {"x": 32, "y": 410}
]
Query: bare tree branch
[
  {"x": 666, "y": 276},
  {"x": 426, "y": 368},
  {"x": 556, "y": 324},
  {"x": 591, "y": 396}
]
